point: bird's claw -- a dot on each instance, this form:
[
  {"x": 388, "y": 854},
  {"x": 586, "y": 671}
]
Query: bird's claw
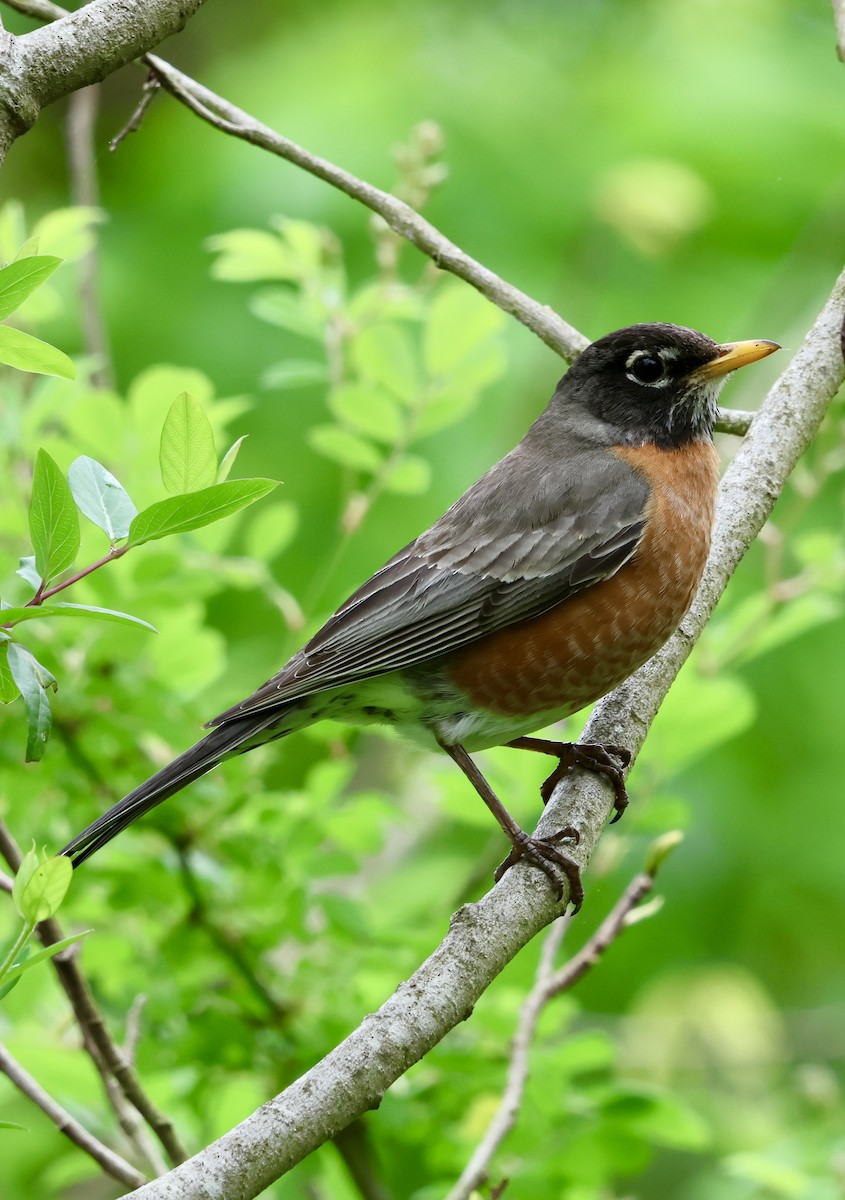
[
  {"x": 608, "y": 760},
  {"x": 543, "y": 853}
]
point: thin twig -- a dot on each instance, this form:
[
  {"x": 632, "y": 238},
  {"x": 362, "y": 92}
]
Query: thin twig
[
  {"x": 40, "y": 10},
  {"x": 228, "y": 118},
  {"x": 152, "y": 86},
  {"x": 734, "y": 420},
  {"x": 105, "y": 1158},
  {"x": 133, "y": 1028},
  {"x": 82, "y": 159},
  {"x": 548, "y": 984},
  {"x": 558, "y": 334},
  {"x": 44, "y": 593},
  {"x": 104, "y": 1052}
]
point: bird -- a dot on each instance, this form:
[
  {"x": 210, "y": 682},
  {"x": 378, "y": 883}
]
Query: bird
[{"x": 547, "y": 583}]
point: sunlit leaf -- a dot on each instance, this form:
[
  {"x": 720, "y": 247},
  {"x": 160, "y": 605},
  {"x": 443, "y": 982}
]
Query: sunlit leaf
[
  {"x": 288, "y": 310},
  {"x": 459, "y": 322},
  {"x": 14, "y": 616},
  {"x": 344, "y": 447},
  {"x": 9, "y": 690},
  {"x": 28, "y": 353},
  {"x": 100, "y": 497},
  {"x": 39, "y": 889},
  {"x": 56, "y": 877},
  {"x": 180, "y": 514},
  {"x": 294, "y": 372},
  {"x": 68, "y": 232},
  {"x": 271, "y": 530},
  {"x": 22, "y": 277},
  {"x": 53, "y": 519},
  {"x": 228, "y": 459},
  {"x": 187, "y": 456},
  {"x": 367, "y": 410},
  {"x": 385, "y": 354},
  {"x": 245, "y": 255},
  {"x": 411, "y": 476}
]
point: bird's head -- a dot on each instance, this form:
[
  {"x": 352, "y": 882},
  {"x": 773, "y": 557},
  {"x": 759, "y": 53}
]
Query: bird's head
[{"x": 656, "y": 383}]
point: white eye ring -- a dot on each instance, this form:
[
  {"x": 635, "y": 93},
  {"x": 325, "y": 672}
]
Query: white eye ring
[{"x": 644, "y": 377}]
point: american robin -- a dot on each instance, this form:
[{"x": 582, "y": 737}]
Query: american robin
[{"x": 554, "y": 577}]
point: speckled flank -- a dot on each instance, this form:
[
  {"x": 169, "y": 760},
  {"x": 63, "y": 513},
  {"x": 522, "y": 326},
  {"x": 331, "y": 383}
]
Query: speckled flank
[{"x": 584, "y": 647}]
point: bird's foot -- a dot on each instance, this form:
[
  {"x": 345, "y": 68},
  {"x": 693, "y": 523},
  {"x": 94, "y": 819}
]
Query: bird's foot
[
  {"x": 544, "y": 854},
  {"x": 608, "y": 760}
]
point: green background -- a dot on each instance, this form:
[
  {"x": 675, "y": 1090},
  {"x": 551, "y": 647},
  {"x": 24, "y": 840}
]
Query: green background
[{"x": 621, "y": 162}]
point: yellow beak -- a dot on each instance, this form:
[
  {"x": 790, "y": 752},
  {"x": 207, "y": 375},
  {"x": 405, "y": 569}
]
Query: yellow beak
[{"x": 736, "y": 354}]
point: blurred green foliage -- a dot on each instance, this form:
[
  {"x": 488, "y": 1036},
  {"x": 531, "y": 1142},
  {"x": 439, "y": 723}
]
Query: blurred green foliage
[{"x": 622, "y": 162}]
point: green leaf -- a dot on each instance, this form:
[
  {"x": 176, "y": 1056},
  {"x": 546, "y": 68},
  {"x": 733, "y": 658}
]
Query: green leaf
[
  {"x": 9, "y": 690},
  {"x": 385, "y": 354},
  {"x": 32, "y": 960},
  {"x": 702, "y": 712},
  {"x": 68, "y": 231},
  {"x": 410, "y": 477},
  {"x": 304, "y": 241},
  {"x": 271, "y": 530},
  {"x": 33, "y": 680},
  {"x": 367, "y": 410},
  {"x": 180, "y": 514},
  {"x": 460, "y": 321},
  {"x": 21, "y": 278},
  {"x": 39, "y": 889},
  {"x": 187, "y": 455},
  {"x": 228, "y": 459},
  {"x": 53, "y": 519},
  {"x": 27, "y": 571},
  {"x": 344, "y": 447},
  {"x": 28, "y": 353},
  {"x": 12, "y": 1125},
  {"x": 13, "y": 616},
  {"x": 294, "y": 372},
  {"x": 289, "y": 310},
  {"x": 245, "y": 255},
  {"x": 100, "y": 497},
  {"x": 445, "y": 408}
]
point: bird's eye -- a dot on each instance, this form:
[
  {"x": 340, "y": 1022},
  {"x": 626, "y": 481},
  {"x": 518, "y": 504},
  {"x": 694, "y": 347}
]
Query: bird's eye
[{"x": 645, "y": 368}]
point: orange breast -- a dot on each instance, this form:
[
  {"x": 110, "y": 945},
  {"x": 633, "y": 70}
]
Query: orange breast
[{"x": 585, "y": 646}]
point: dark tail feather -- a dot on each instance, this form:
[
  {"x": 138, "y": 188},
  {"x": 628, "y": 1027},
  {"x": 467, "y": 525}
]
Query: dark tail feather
[{"x": 199, "y": 760}]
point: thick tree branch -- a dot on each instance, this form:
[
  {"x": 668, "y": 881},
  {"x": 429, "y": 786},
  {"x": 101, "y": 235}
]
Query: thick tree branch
[
  {"x": 483, "y": 937},
  {"x": 105, "y": 1158},
  {"x": 80, "y": 48},
  {"x": 548, "y": 984}
]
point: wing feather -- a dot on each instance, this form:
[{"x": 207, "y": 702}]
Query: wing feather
[{"x": 486, "y": 564}]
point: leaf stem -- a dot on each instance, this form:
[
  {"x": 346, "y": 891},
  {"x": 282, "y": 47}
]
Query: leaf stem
[
  {"x": 20, "y": 941},
  {"x": 45, "y": 593}
]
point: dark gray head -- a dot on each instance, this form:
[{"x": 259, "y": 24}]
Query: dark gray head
[{"x": 655, "y": 383}]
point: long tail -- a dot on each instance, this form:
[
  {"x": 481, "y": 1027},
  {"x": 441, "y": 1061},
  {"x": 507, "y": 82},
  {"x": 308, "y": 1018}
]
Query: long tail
[{"x": 232, "y": 737}]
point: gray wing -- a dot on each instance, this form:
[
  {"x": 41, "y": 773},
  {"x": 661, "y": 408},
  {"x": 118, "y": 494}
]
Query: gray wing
[{"x": 520, "y": 541}]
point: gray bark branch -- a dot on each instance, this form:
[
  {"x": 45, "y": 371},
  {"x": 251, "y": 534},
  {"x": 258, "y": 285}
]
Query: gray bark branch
[{"x": 78, "y": 49}]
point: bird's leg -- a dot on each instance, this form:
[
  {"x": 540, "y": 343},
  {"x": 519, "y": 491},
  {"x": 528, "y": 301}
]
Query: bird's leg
[
  {"x": 542, "y": 852},
  {"x": 609, "y": 761}
]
